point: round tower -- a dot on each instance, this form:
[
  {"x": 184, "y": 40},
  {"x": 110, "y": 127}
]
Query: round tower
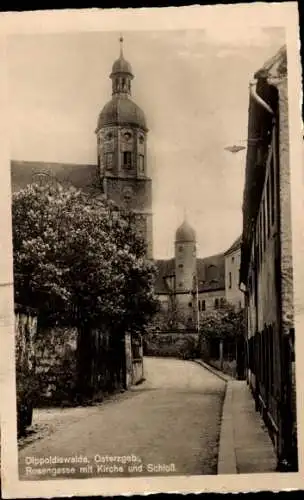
[
  {"x": 185, "y": 257},
  {"x": 122, "y": 150}
]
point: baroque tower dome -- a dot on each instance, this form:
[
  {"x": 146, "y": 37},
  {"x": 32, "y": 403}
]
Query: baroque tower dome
[
  {"x": 185, "y": 233},
  {"x": 121, "y": 110},
  {"x": 122, "y": 167}
]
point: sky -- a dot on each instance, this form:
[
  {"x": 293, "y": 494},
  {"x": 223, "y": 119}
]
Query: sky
[{"x": 193, "y": 87}]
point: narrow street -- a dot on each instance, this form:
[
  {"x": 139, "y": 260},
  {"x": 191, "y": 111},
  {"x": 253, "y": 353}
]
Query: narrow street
[{"x": 170, "y": 424}]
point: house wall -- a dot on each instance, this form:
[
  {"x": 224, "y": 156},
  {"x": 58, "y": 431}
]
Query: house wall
[
  {"x": 206, "y": 301},
  {"x": 232, "y": 270}
]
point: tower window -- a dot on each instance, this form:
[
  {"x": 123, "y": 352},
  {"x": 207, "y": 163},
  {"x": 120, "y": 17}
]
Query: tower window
[
  {"x": 109, "y": 161},
  {"x": 230, "y": 280},
  {"x": 190, "y": 304},
  {"x": 232, "y": 260},
  {"x": 203, "y": 305},
  {"x": 216, "y": 304},
  {"x": 127, "y": 159},
  {"x": 141, "y": 167}
]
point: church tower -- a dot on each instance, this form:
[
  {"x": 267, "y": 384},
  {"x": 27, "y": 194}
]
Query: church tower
[
  {"x": 122, "y": 150},
  {"x": 185, "y": 258}
]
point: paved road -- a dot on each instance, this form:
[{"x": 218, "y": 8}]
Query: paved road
[{"x": 168, "y": 425}]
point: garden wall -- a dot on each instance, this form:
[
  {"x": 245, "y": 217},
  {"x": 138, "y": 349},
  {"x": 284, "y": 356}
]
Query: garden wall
[{"x": 181, "y": 345}]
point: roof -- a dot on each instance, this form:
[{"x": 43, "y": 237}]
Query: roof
[
  {"x": 121, "y": 66},
  {"x": 235, "y": 245},
  {"x": 185, "y": 233},
  {"x": 260, "y": 126},
  {"x": 210, "y": 270},
  {"x": 165, "y": 268},
  {"x": 275, "y": 66},
  {"x": 26, "y": 172},
  {"x": 121, "y": 110}
]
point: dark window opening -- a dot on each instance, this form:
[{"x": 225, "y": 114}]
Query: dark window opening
[
  {"x": 127, "y": 159},
  {"x": 216, "y": 304},
  {"x": 190, "y": 304},
  {"x": 230, "y": 280},
  {"x": 141, "y": 165},
  {"x": 203, "y": 305},
  {"x": 180, "y": 266}
]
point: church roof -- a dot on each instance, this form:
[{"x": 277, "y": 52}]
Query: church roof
[
  {"x": 165, "y": 268},
  {"x": 185, "y": 233},
  {"x": 210, "y": 271},
  {"x": 121, "y": 110},
  {"x": 79, "y": 176}
]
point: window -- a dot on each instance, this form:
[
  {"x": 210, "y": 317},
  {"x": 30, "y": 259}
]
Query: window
[
  {"x": 190, "y": 304},
  {"x": 180, "y": 249},
  {"x": 203, "y": 305},
  {"x": 127, "y": 159},
  {"x": 180, "y": 266},
  {"x": 230, "y": 280},
  {"x": 216, "y": 304},
  {"x": 109, "y": 161},
  {"x": 232, "y": 260},
  {"x": 222, "y": 302},
  {"x": 141, "y": 165},
  {"x": 199, "y": 305}
]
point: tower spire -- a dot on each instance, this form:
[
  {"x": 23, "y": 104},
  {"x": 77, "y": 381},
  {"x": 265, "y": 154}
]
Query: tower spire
[{"x": 121, "y": 40}]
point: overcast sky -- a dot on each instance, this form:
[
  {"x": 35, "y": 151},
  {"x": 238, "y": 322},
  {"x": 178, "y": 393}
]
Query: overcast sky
[{"x": 193, "y": 88}]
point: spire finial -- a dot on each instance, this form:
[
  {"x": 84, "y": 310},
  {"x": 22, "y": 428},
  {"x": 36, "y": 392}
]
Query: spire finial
[
  {"x": 185, "y": 214},
  {"x": 121, "y": 45}
]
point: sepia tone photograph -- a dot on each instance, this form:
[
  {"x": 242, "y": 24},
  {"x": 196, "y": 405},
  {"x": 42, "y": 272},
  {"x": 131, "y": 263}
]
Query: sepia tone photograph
[{"x": 152, "y": 253}]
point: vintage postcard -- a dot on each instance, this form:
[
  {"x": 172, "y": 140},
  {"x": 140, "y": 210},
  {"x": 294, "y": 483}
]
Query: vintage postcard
[{"x": 151, "y": 271}]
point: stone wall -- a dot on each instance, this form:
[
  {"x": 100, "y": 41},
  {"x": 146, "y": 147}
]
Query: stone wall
[
  {"x": 25, "y": 333},
  {"x": 56, "y": 365}
]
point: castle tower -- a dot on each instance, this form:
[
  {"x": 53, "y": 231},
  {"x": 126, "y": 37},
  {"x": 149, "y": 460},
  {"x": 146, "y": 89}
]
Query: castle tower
[
  {"x": 122, "y": 150},
  {"x": 185, "y": 258}
]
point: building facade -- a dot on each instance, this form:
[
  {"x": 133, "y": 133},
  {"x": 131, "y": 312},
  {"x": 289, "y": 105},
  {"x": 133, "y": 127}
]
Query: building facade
[
  {"x": 234, "y": 295},
  {"x": 266, "y": 258},
  {"x": 121, "y": 172}
]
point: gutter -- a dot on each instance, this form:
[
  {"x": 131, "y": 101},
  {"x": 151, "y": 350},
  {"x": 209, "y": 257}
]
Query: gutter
[{"x": 258, "y": 99}]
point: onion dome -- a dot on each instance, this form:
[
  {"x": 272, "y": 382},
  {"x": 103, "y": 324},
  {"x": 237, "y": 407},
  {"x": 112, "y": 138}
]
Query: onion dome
[
  {"x": 121, "y": 110},
  {"x": 185, "y": 233}
]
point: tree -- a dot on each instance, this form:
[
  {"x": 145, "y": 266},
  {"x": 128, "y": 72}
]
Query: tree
[
  {"x": 79, "y": 260},
  {"x": 226, "y": 323}
]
